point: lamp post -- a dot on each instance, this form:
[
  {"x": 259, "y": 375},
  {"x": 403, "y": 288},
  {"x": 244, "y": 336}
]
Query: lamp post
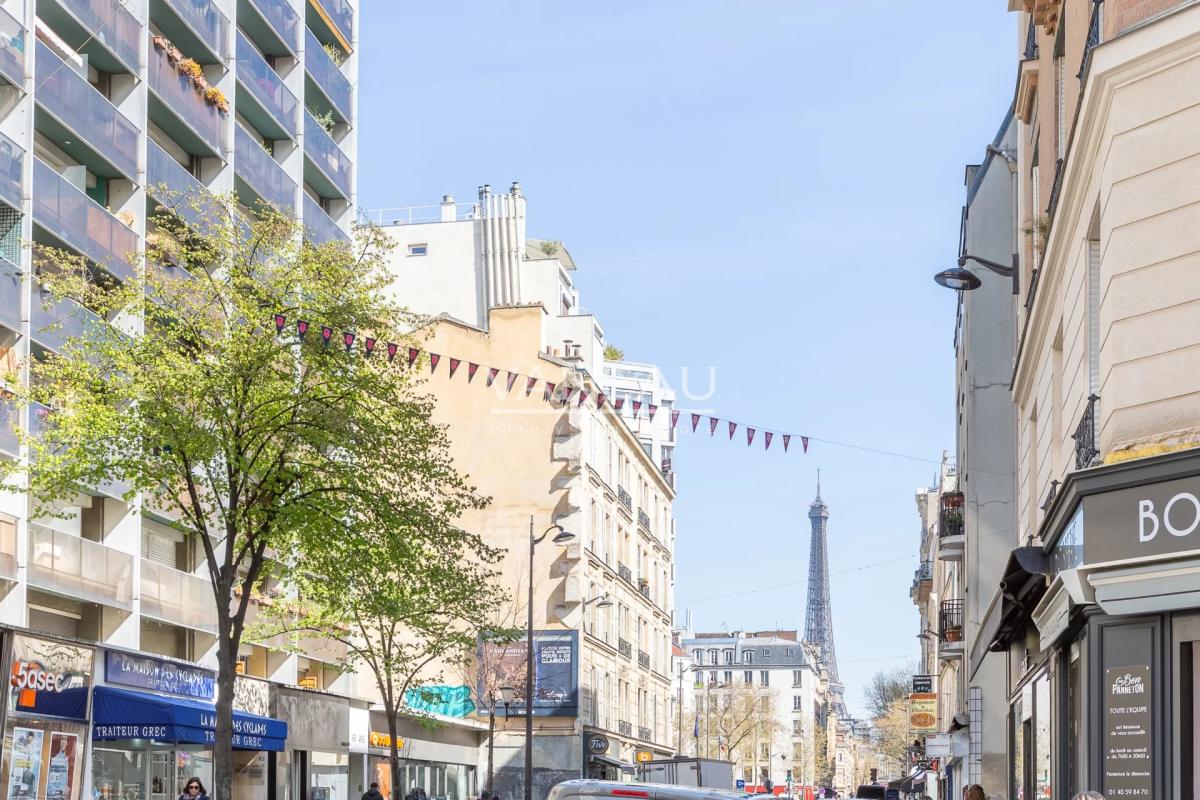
[
  {"x": 962, "y": 279},
  {"x": 560, "y": 538}
]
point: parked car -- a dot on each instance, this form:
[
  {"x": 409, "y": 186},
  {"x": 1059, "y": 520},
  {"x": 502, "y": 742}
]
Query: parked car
[
  {"x": 585, "y": 789},
  {"x": 871, "y": 792}
]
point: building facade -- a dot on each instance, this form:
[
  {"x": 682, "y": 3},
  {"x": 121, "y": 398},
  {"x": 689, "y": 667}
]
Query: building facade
[{"x": 107, "y": 110}]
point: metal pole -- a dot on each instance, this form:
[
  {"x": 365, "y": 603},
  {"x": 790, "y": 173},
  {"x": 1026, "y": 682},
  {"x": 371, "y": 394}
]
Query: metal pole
[
  {"x": 529, "y": 676},
  {"x": 679, "y": 730}
]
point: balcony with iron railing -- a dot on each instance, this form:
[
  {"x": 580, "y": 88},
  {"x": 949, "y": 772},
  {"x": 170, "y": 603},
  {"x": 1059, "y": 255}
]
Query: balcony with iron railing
[
  {"x": 272, "y": 24},
  {"x": 327, "y": 77},
  {"x": 950, "y": 628},
  {"x": 330, "y": 168},
  {"x": 624, "y": 498},
  {"x": 624, "y": 573},
  {"x": 80, "y": 569},
  {"x": 624, "y": 728},
  {"x": 180, "y": 598},
  {"x": 12, "y": 49},
  {"x": 333, "y": 20},
  {"x": 261, "y": 173},
  {"x": 80, "y": 120},
  {"x": 1093, "y": 39},
  {"x": 625, "y": 648},
  {"x": 196, "y": 26},
  {"x": 951, "y": 530},
  {"x": 79, "y": 222},
  {"x": 180, "y": 110},
  {"x": 645, "y": 734},
  {"x": 103, "y": 30},
  {"x": 643, "y": 519},
  {"x": 1087, "y": 449},
  {"x": 643, "y": 659},
  {"x": 262, "y": 98},
  {"x": 319, "y": 227}
]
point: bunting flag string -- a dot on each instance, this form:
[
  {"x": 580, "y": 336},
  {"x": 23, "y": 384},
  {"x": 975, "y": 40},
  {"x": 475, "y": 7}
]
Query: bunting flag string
[{"x": 551, "y": 392}]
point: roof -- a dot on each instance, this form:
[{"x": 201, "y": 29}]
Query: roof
[{"x": 536, "y": 249}]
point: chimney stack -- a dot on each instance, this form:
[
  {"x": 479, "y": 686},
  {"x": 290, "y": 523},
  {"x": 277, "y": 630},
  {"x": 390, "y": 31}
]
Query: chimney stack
[{"x": 448, "y": 207}]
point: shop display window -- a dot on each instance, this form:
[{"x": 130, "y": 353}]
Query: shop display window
[{"x": 137, "y": 770}]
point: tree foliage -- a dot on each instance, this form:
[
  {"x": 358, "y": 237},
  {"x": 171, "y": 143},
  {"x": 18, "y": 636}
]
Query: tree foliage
[
  {"x": 891, "y": 734},
  {"x": 886, "y": 687},
  {"x": 258, "y": 445},
  {"x": 734, "y": 718}
]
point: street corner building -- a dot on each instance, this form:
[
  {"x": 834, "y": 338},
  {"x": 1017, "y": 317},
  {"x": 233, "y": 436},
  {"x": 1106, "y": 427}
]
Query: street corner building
[{"x": 1062, "y": 555}]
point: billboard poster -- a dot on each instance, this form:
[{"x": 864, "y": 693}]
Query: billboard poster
[
  {"x": 49, "y": 678},
  {"x": 60, "y": 773},
  {"x": 555, "y": 673},
  {"x": 26, "y": 770}
]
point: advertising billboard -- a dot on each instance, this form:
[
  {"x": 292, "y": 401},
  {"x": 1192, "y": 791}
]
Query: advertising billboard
[{"x": 555, "y": 673}]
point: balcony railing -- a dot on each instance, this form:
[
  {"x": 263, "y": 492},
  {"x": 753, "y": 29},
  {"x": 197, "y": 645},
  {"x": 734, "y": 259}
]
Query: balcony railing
[
  {"x": 10, "y": 295},
  {"x": 205, "y": 20},
  {"x": 1093, "y": 39},
  {"x": 173, "y": 186},
  {"x": 643, "y": 519},
  {"x": 12, "y": 159},
  {"x": 179, "y": 95},
  {"x": 950, "y": 621},
  {"x": 86, "y": 113},
  {"x": 327, "y": 76},
  {"x": 624, "y": 728},
  {"x": 925, "y": 572},
  {"x": 319, "y": 226},
  {"x": 644, "y": 659},
  {"x": 624, "y": 498},
  {"x": 55, "y": 321},
  {"x": 266, "y": 87},
  {"x": 624, "y": 572},
  {"x": 180, "y": 598},
  {"x": 950, "y": 516},
  {"x": 342, "y": 16},
  {"x": 261, "y": 172},
  {"x": 327, "y": 156},
  {"x": 1031, "y": 45},
  {"x": 1086, "y": 446},
  {"x": 12, "y": 49},
  {"x": 79, "y": 568},
  {"x": 282, "y": 20},
  {"x": 625, "y": 648},
  {"x": 81, "y": 223},
  {"x": 644, "y": 589},
  {"x": 645, "y": 734},
  {"x": 111, "y": 24}
]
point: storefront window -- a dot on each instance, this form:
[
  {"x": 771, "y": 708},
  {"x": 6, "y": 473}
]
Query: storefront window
[
  {"x": 1041, "y": 777},
  {"x": 138, "y": 770},
  {"x": 1017, "y": 733},
  {"x": 328, "y": 776}
]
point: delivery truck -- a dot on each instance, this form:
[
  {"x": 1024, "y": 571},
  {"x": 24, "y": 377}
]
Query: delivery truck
[{"x": 710, "y": 773}]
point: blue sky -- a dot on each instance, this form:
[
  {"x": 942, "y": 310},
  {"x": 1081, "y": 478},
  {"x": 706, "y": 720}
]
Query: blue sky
[{"x": 761, "y": 187}]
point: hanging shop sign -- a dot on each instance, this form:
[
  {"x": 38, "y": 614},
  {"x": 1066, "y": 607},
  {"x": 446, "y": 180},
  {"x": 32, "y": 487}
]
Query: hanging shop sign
[
  {"x": 597, "y": 743},
  {"x": 1128, "y": 746},
  {"x": 157, "y": 675},
  {"x": 922, "y": 684},
  {"x": 379, "y": 739},
  {"x": 49, "y": 678},
  {"x": 642, "y": 756},
  {"x": 922, "y": 712}
]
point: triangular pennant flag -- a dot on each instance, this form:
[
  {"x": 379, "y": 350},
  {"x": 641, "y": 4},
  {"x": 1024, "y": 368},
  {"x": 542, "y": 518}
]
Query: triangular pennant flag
[
  {"x": 301, "y": 327},
  {"x": 368, "y": 346},
  {"x": 767, "y": 439},
  {"x": 280, "y": 321},
  {"x": 434, "y": 358},
  {"x": 326, "y": 334},
  {"x": 582, "y": 397},
  {"x": 619, "y": 403},
  {"x": 512, "y": 378},
  {"x": 472, "y": 368},
  {"x": 804, "y": 442},
  {"x": 567, "y": 391},
  {"x": 732, "y": 428},
  {"x": 637, "y": 406},
  {"x": 348, "y": 340},
  {"x": 653, "y": 408},
  {"x": 674, "y": 418},
  {"x": 454, "y": 363},
  {"x": 695, "y": 422},
  {"x": 600, "y": 400},
  {"x": 749, "y": 436},
  {"x": 492, "y": 373},
  {"x": 532, "y": 382},
  {"x": 412, "y": 355},
  {"x": 392, "y": 349},
  {"x": 548, "y": 392},
  {"x": 787, "y": 439},
  {"x": 712, "y": 425}
]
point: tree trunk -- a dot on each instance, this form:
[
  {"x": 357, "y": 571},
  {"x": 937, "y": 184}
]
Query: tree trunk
[
  {"x": 394, "y": 750},
  {"x": 491, "y": 744},
  {"x": 222, "y": 788}
]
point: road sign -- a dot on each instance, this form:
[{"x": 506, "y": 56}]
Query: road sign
[{"x": 739, "y": 784}]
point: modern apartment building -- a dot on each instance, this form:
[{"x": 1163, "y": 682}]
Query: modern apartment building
[
  {"x": 646, "y": 402},
  {"x": 1095, "y": 618}
]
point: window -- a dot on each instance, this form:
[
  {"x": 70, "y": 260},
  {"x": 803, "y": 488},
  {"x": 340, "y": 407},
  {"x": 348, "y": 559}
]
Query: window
[
  {"x": 418, "y": 249},
  {"x": 766, "y": 750},
  {"x": 748, "y": 676},
  {"x": 712, "y": 657},
  {"x": 747, "y": 656},
  {"x": 791, "y": 653},
  {"x": 797, "y": 677},
  {"x": 712, "y": 677},
  {"x": 698, "y": 656},
  {"x": 798, "y": 726},
  {"x": 764, "y": 678},
  {"x": 728, "y": 656},
  {"x": 797, "y": 703},
  {"x": 766, "y": 654},
  {"x": 729, "y": 676}
]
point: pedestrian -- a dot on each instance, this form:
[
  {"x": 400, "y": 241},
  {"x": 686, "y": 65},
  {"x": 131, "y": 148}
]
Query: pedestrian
[
  {"x": 193, "y": 790},
  {"x": 974, "y": 792},
  {"x": 372, "y": 793},
  {"x": 1088, "y": 796}
]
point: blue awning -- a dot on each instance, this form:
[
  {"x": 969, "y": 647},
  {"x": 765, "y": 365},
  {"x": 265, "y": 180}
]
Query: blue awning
[{"x": 122, "y": 714}]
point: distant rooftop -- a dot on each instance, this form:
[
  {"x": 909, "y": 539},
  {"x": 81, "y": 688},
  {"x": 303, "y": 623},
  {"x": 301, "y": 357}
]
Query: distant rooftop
[{"x": 548, "y": 248}]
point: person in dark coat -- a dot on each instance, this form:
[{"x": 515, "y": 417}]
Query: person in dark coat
[{"x": 372, "y": 793}]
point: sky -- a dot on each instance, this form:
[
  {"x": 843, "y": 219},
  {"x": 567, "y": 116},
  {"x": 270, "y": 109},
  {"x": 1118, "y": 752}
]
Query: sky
[{"x": 757, "y": 190}]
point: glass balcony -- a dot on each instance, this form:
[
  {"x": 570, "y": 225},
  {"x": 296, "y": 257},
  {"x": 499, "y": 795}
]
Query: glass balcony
[
  {"x": 260, "y": 172},
  {"x": 54, "y": 322},
  {"x": 341, "y": 15},
  {"x": 10, "y": 295},
  {"x": 84, "y": 114},
  {"x": 202, "y": 23},
  {"x": 333, "y": 165},
  {"x": 267, "y": 91},
  {"x": 12, "y": 49},
  {"x": 282, "y": 24},
  {"x": 327, "y": 77},
  {"x": 104, "y": 30},
  {"x": 81, "y": 223},
  {"x": 319, "y": 227},
  {"x": 78, "y": 568},
  {"x": 173, "y": 186},
  {"x": 12, "y": 159},
  {"x": 203, "y": 127},
  {"x": 10, "y": 418},
  {"x": 179, "y": 598}
]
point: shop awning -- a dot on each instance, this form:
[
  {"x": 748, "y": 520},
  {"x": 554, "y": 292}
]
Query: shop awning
[
  {"x": 614, "y": 762},
  {"x": 1021, "y": 588},
  {"x": 124, "y": 714}
]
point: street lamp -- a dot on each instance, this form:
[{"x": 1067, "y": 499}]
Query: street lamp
[
  {"x": 962, "y": 279},
  {"x": 560, "y": 538}
]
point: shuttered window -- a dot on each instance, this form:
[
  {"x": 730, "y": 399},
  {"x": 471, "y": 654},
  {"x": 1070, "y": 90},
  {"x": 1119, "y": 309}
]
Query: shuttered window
[{"x": 161, "y": 545}]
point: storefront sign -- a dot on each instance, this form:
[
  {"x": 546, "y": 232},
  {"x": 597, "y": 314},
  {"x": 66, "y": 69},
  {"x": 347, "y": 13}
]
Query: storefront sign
[
  {"x": 597, "y": 743},
  {"x": 1152, "y": 520},
  {"x": 642, "y": 756},
  {"x": 360, "y": 729},
  {"x": 49, "y": 678},
  {"x": 156, "y": 675},
  {"x": 922, "y": 684},
  {"x": 379, "y": 739},
  {"x": 922, "y": 712},
  {"x": 1128, "y": 754}
]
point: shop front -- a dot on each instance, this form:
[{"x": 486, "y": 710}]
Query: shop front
[
  {"x": 1101, "y": 629},
  {"x": 153, "y": 728},
  {"x": 316, "y": 763},
  {"x": 443, "y": 759},
  {"x": 45, "y": 732}
]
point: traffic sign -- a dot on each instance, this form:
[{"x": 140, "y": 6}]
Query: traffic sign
[{"x": 739, "y": 784}]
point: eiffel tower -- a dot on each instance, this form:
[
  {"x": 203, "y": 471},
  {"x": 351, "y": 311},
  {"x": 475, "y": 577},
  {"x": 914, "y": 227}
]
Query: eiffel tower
[{"x": 818, "y": 621}]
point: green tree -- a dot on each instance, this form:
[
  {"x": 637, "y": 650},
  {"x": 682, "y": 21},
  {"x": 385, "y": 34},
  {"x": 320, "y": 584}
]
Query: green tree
[
  {"x": 259, "y": 443},
  {"x": 891, "y": 733},
  {"x": 613, "y": 353}
]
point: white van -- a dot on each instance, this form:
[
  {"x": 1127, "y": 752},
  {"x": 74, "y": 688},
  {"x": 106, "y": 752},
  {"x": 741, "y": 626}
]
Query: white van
[{"x": 586, "y": 789}]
